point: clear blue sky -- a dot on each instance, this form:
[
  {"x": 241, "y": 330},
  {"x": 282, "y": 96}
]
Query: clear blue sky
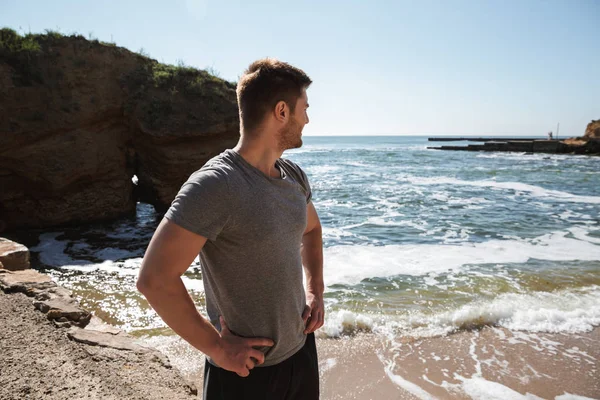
[{"x": 379, "y": 67}]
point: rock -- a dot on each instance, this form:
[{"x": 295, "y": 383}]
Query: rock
[
  {"x": 53, "y": 292},
  {"x": 592, "y": 131},
  {"x": 13, "y": 256},
  {"x": 104, "y": 339},
  {"x": 28, "y": 281},
  {"x": 54, "y": 301},
  {"x": 96, "y": 324},
  {"x": 62, "y": 309},
  {"x": 80, "y": 118}
]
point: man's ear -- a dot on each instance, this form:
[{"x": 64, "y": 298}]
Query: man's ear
[{"x": 282, "y": 111}]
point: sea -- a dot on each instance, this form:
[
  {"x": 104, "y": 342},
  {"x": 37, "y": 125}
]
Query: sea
[{"x": 417, "y": 243}]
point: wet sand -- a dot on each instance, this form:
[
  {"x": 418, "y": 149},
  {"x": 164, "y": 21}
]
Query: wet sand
[{"x": 491, "y": 363}]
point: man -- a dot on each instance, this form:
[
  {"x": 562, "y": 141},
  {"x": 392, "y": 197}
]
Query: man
[{"x": 249, "y": 214}]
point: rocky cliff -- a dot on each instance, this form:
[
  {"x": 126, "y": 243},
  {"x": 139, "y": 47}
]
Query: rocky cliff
[
  {"x": 593, "y": 130},
  {"x": 80, "y": 118}
]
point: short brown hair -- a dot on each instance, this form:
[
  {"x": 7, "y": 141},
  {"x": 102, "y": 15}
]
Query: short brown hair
[{"x": 263, "y": 85}]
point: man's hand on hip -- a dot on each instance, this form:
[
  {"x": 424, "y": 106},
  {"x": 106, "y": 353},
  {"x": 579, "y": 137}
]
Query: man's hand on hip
[
  {"x": 314, "y": 312},
  {"x": 237, "y": 354}
]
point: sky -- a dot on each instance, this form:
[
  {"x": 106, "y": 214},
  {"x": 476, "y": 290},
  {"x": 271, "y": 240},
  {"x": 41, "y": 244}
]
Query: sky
[{"x": 476, "y": 67}]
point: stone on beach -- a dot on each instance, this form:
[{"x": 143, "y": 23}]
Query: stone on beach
[
  {"x": 51, "y": 299},
  {"x": 13, "y": 256},
  {"x": 117, "y": 341}
]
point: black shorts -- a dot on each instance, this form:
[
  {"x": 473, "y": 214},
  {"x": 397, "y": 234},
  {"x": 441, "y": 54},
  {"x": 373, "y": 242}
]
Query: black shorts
[{"x": 296, "y": 378}]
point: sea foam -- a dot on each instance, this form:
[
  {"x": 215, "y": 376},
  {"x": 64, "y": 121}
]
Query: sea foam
[
  {"x": 562, "y": 311},
  {"x": 536, "y": 191},
  {"x": 350, "y": 264}
]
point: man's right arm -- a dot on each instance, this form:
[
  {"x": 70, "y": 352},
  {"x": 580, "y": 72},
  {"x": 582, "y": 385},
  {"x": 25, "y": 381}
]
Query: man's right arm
[{"x": 170, "y": 253}]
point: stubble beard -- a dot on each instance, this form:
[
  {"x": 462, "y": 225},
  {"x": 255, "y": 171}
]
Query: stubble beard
[{"x": 290, "y": 137}]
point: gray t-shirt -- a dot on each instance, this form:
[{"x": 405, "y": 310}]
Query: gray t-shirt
[{"x": 251, "y": 263}]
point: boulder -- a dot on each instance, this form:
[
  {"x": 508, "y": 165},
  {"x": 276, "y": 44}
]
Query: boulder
[
  {"x": 80, "y": 118},
  {"x": 13, "y": 256},
  {"x": 64, "y": 310},
  {"x": 54, "y": 301},
  {"x": 27, "y": 281},
  {"x": 118, "y": 341},
  {"x": 592, "y": 131}
]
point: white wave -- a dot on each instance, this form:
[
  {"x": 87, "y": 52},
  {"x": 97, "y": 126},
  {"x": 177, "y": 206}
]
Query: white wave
[
  {"x": 481, "y": 389},
  {"x": 196, "y": 285},
  {"x": 309, "y": 149},
  {"x": 570, "y": 216},
  {"x": 410, "y": 387},
  {"x": 537, "y": 191},
  {"x": 350, "y": 264},
  {"x": 334, "y": 203},
  {"x": 358, "y": 164},
  {"x": 581, "y": 234},
  {"x": 321, "y": 169},
  {"x": 565, "y": 311},
  {"x": 569, "y": 396},
  {"x": 111, "y": 253},
  {"x": 338, "y": 233},
  {"x": 52, "y": 251},
  {"x": 129, "y": 267},
  {"x": 344, "y": 322},
  {"x": 561, "y": 311},
  {"x": 533, "y": 157}
]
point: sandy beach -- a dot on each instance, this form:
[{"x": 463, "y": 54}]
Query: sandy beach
[{"x": 491, "y": 363}]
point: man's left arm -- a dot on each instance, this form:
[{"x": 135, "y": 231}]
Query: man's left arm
[{"x": 312, "y": 260}]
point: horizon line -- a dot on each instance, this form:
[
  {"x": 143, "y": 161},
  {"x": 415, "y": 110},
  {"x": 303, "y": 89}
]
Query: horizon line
[{"x": 427, "y": 134}]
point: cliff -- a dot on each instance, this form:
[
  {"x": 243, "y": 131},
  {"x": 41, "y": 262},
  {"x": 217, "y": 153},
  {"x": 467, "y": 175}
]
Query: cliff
[
  {"x": 593, "y": 130},
  {"x": 80, "y": 118}
]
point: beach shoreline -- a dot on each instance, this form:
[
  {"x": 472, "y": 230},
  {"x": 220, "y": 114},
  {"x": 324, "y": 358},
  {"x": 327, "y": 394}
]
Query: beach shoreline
[
  {"x": 485, "y": 363},
  {"x": 44, "y": 361}
]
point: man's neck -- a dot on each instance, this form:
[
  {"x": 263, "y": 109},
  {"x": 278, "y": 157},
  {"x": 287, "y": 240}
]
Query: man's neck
[{"x": 260, "y": 153}]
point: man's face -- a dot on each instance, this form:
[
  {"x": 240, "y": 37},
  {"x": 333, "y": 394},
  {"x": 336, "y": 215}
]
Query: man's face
[{"x": 291, "y": 134}]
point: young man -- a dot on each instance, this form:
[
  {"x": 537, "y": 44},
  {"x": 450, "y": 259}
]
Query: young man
[{"x": 249, "y": 214}]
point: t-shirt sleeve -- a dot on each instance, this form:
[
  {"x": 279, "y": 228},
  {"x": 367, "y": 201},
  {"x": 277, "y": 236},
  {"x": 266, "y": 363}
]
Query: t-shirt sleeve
[{"x": 201, "y": 204}]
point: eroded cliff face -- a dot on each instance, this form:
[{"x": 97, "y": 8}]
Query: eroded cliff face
[
  {"x": 79, "y": 118},
  {"x": 593, "y": 130}
]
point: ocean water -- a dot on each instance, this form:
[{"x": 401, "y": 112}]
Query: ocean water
[{"x": 417, "y": 243}]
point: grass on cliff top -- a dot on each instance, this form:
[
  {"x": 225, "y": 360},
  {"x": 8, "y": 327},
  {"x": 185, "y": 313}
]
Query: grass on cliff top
[
  {"x": 19, "y": 50},
  {"x": 186, "y": 78},
  {"x": 13, "y": 43}
]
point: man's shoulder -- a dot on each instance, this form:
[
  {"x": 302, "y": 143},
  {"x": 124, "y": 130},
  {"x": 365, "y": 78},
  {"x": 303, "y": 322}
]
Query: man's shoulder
[
  {"x": 293, "y": 169},
  {"x": 216, "y": 170},
  {"x": 292, "y": 165}
]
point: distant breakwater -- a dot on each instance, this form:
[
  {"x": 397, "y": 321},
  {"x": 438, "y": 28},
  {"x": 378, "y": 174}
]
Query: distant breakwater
[{"x": 521, "y": 145}]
